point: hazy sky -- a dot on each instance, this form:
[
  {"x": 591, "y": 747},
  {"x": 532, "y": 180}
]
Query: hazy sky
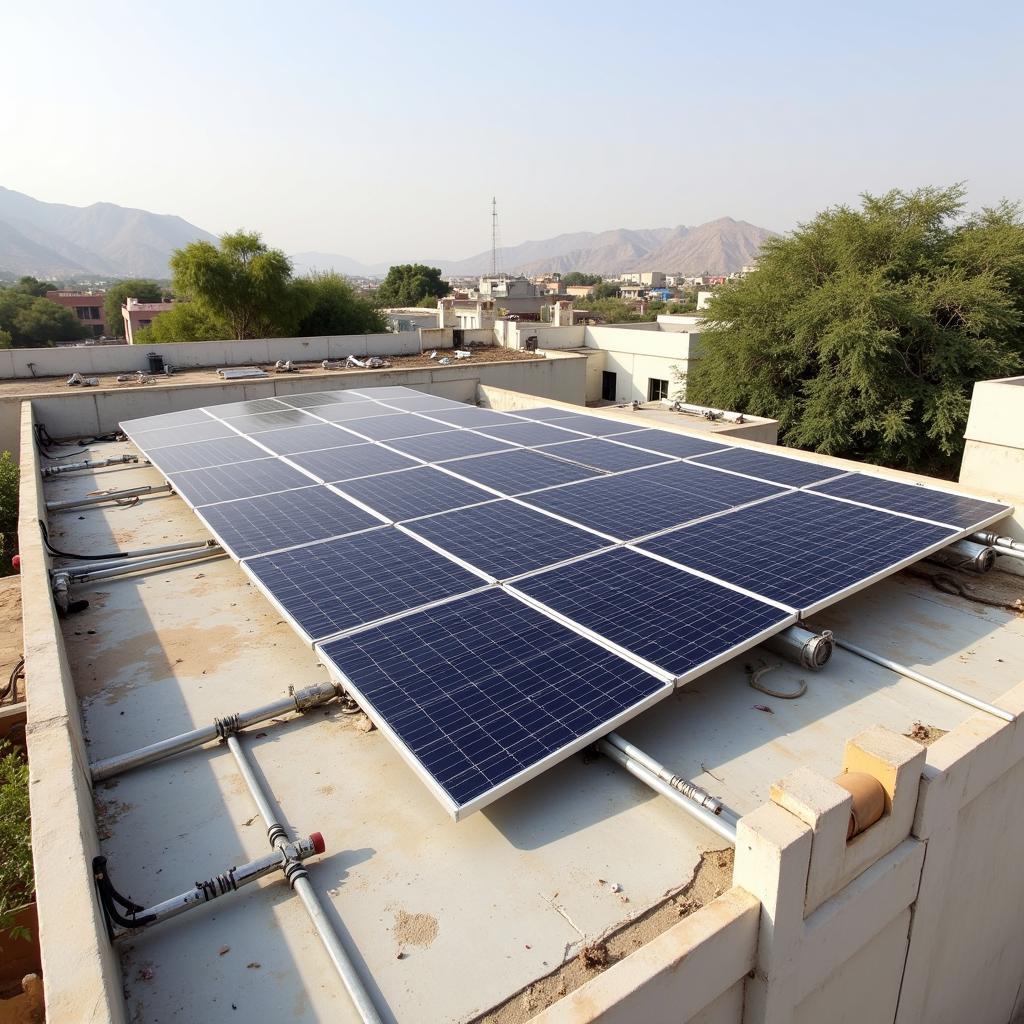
[{"x": 381, "y": 130}]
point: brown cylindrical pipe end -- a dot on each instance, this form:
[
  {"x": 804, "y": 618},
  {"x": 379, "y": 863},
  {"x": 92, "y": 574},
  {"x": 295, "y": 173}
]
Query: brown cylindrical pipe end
[{"x": 868, "y": 800}]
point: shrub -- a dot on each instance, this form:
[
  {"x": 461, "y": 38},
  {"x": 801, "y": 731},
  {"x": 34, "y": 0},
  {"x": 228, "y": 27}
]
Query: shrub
[
  {"x": 8, "y": 512},
  {"x": 17, "y": 882}
]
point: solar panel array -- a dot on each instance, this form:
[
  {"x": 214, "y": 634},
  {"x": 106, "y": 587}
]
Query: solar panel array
[{"x": 500, "y": 589}]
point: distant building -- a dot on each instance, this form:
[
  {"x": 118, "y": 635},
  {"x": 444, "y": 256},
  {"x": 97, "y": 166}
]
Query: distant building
[
  {"x": 87, "y": 305},
  {"x": 703, "y": 298},
  {"x": 633, "y": 292},
  {"x": 518, "y": 295},
  {"x": 649, "y": 278},
  {"x": 410, "y": 318},
  {"x": 464, "y": 314},
  {"x": 579, "y": 291},
  {"x": 140, "y": 314}
]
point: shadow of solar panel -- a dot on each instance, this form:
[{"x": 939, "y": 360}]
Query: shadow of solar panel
[
  {"x": 339, "y": 584},
  {"x": 452, "y": 444},
  {"x": 229, "y": 410},
  {"x": 243, "y": 480},
  {"x": 484, "y": 693},
  {"x": 517, "y": 472},
  {"x": 470, "y": 416},
  {"x": 801, "y": 549},
  {"x": 940, "y": 506},
  {"x": 504, "y": 539},
  {"x": 679, "y": 622},
  {"x": 272, "y": 421},
  {"x": 413, "y": 492},
  {"x": 337, "y": 464},
  {"x": 254, "y": 526},
  {"x": 162, "y": 437},
  {"x": 397, "y": 424},
  {"x": 669, "y": 443},
  {"x": 623, "y": 506},
  {"x": 531, "y": 433},
  {"x": 293, "y": 440},
  {"x": 766, "y": 466},
  {"x": 609, "y": 456},
  {"x": 203, "y": 454}
]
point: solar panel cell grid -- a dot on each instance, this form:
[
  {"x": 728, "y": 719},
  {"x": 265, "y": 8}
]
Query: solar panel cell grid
[
  {"x": 272, "y": 421},
  {"x": 669, "y": 443},
  {"x": 422, "y": 403},
  {"x": 292, "y": 440},
  {"x": 941, "y": 506},
  {"x": 337, "y": 464},
  {"x": 184, "y": 434},
  {"x": 413, "y": 492},
  {"x": 505, "y": 539},
  {"x": 167, "y": 419},
  {"x": 350, "y": 412},
  {"x": 255, "y": 526},
  {"x": 596, "y": 426},
  {"x": 319, "y": 398},
  {"x": 668, "y": 617},
  {"x": 338, "y": 584},
  {"x": 222, "y": 451},
  {"x": 685, "y": 478},
  {"x": 229, "y": 410},
  {"x": 517, "y": 472},
  {"x": 482, "y": 689},
  {"x": 243, "y": 480},
  {"x": 531, "y": 433},
  {"x": 469, "y": 416},
  {"x": 452, "y": 444},
  {"x": 608, "y": 456},
  {"x": 765, "y": 466},
  {"x": 799, "y": 549},
  {"x": 397, "y": 424}
]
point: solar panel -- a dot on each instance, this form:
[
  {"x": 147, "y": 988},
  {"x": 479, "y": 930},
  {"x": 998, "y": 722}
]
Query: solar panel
[
  {"x": 337, "y": 464},
  {"x": 517, "y": 472},
  {"x": 202, "y": 454},
  {"x": 338, "y": 584},
  {"x": 166, "y": 419},
  {"x": 292, "y": 440},
  {"x": 801, "y": 549},
  {"x": 609, "y": 456},
  {"x": 397, "y": 424},
  {"x": 767, "y": 466},
  {"x": 413, "y": 492},
  {"x": 391, "y": 391},
  {"x": 422, "y": 403},
  {"x": 469, "y": 416},
  {"x": 271, "y": 421},
  {"x": 229, "y": 410},
  {"x": 349, "y": 412},
  {"x": 957, "y": 510},
  {"x": 623, "y": 506},
  {"x": 161, "y": 437},
  {"x": 669, "y": 443},
  {"x": 596, "y": 426},
  {"x": 483, "y": 693},
  {"x": 319, "y": 398},
  {"x": 677, "y": 621},
  {"x": 452, "y": 444},
  {"x": 531, "y": 433},
  {"x": 504, "y": 539},
  {"x": 686, "y": 478},
  {"x": 243, "y": 480},
  {"x": 544, "y": 413},
  {"x": 254, "y": 526}
]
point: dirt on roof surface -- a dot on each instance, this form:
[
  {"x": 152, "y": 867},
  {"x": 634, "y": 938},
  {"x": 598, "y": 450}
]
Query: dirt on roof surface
[{"x": 208, "y": 374}]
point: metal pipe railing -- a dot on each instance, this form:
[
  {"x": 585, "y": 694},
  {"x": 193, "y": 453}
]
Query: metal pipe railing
[
  {"x": 296, "y": 700},
  {"x": 125, "y": 568},
  {"x": 74, "y": 467},
  {"x": 919, "y": 677},
  {"x": 721, "y": 825},
  {"x": 997, "y": 540},
  {"x": 97, "y": 499},
  {"x": 301, "y": 884},
  {"x": 127, "y": 556}
]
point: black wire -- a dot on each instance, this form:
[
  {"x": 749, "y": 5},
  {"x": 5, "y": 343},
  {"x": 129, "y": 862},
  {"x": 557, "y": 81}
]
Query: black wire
[
  {"x": 69, "y": 554},
  {"x": 18, "y": 672}
]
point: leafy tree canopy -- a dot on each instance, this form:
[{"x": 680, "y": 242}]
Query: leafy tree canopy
[
  {"x": 242, "y": 282},
  {"x": 185, "y": 321},
  {"x": 864, "y": 330},
  {"x": 29, "y": 321},
  {"x": 142, "y": 288},
  {"x": 330, "y": 305},
  {"x": 410, "y": 284},
  {"x": 33, "y": 286},
  {"x": 576, "y": 277}
]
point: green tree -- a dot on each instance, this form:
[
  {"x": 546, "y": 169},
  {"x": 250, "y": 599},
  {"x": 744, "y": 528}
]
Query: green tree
[
  {"x": 576, "y": 277},
  {"x": 330, "y": 305},
  {"x": 185, "y": 321},
  {"x": 605, "y": 290},
  {"x": 33, "y": 286},
  {"x": 8, "y": 512},
  {"x": 410, "y": 284},
  {"x": 32, "y": 322},
  {"x": 142, "y": 288},
  {"x": 17, "y": 882},
  {"x": 242, "y": 283},
  {"x": 864, "y": 330}
]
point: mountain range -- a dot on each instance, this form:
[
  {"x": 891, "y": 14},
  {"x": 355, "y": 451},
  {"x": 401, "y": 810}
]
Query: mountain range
[{"x": 54, "y": 240}]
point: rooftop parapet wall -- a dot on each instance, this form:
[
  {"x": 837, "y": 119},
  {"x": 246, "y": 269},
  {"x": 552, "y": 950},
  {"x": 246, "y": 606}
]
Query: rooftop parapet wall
[{"x": 82, "y": 978}]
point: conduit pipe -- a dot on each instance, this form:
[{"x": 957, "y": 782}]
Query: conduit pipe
[
  {"x": 127, "y": 556},
  {"x": 934, "y": 684},
  {"x": 1001, "y": 545},
  {"x": 806, "y": 649},
  {"x": 720, "y": 824},
  {"x": 87, "y": 575},
  {"x": 296, "y": 700},
  {"x": 300, "y": 883},
  {"x": 965, "y": 554},
  {"x": 74, "y": 467},
  {"x": 97, "y": 499}
]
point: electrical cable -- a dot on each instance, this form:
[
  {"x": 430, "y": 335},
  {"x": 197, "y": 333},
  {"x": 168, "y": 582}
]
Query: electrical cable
[
  {"x": 11, "y": 690},
  {"x": 754, "y": 679}
]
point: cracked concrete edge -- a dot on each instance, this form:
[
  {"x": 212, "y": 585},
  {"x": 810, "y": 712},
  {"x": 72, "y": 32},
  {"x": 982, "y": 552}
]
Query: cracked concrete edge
[{"x": 81, "y": 974}]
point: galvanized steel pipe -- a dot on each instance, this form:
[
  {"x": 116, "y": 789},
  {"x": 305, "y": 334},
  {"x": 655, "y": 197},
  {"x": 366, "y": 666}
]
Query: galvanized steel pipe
[
  {"x": 1000, "y": 541},
  {"x": 125, "y": 568},
  {"x": 301, "y": 884},
  {"x": 298, "y": 700},
  {"x": 74, "y": 467},
  {"x": 98, "y": 499},
  {"x": 934, "y": 684},
  {"x": 127, "y": 556},
  {"x": 721, "y": 825}
]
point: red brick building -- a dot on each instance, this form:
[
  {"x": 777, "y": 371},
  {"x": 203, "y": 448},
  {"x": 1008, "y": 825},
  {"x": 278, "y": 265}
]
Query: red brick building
[{"x": 86, "y": 305}]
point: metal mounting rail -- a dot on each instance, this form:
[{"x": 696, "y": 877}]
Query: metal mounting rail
[{"x": 98, "y": 499}]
